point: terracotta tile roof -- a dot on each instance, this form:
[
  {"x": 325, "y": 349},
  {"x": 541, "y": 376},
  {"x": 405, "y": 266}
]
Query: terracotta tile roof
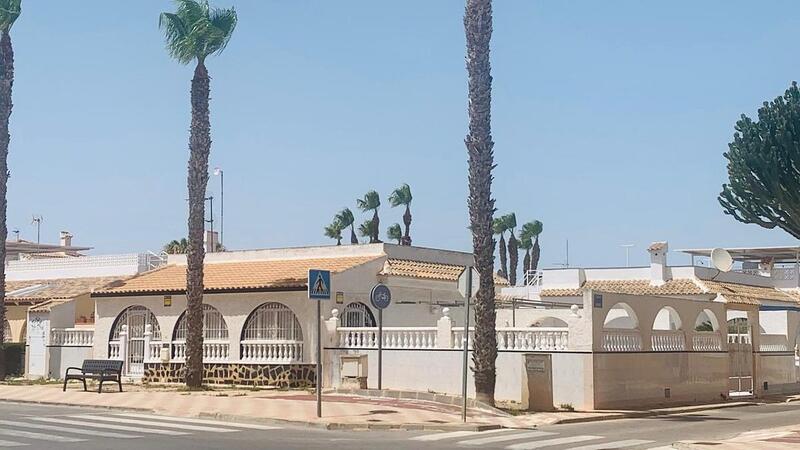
[
  {"x": 683, "y": 286},
  {"x": 35, "y": 291},
  {"x": 239, "y": 276},
  {"x": 746, "y": 294},
  {"x": 428, "y": 270}
]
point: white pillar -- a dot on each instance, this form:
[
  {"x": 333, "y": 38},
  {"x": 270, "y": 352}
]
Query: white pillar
[
  {"x": 444, "y": 331},
  {"x": 330, "y": 338},
  {"x": 148, "y": 336},
  {"x": 123, "y": 348}
]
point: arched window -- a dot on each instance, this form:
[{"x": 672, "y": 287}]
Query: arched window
[
  {"x": 7, "y": 332},
  {"x": 357, "y": 314},
  {"x": 549, "y": 322},
  {"x": 136, "y": 318},
  {"x": 667, "y": 319},
  {"x": 706, "y": 321},
  {"x": 214, "y": 326},
  {"x": 272, "y": 321},
  {"x": 621, "y": 316}
]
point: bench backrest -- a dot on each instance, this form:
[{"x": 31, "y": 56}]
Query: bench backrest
[{"x": 99, "y": 365}]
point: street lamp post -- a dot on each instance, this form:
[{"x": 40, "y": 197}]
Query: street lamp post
[{"x": 218, "y": 171}]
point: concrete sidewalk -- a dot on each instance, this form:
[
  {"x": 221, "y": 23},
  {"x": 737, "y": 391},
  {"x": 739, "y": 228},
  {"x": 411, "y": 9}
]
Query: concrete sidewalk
[
  {"x": 768, "y": 439},
  {"x": 299, "y": 407}
]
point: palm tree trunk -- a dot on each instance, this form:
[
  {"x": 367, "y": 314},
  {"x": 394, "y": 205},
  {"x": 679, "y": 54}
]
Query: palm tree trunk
[
  {"x": 503, "y": 257},
  {"x": 535, "y": 253},
  {"x": 376, "y": 222},
  {"x": 407, "y": 222},
  {"x": 513, "y": 259},
  {"x": 478, "y": 29},
  {"x": 353, "y": 237},
  {"x": 526, "y": 262},
  {"x": 6, "y": 83},
  {"x": 199, "y": 149}
]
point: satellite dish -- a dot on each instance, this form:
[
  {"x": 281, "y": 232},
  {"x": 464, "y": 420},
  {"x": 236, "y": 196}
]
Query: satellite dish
[{"x": 721, "y": 259}]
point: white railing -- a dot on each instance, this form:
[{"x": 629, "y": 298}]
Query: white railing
[
  {"x": 668, "y": 341},
  {"x": 272, "y": 351},
  {"x": 622, "y": 341},
  {"x": 154, "y": 355},
  {"x": 458, "y": 337},
  {"x": 114, "y": 350},
  {"x": 734, "y": 338},
  {"x": 212, "y": 351},
  {"x": 773, "y": 343},
  {"x": 533, "y": 278},
  {"x": 536, "y": 338},
  {"x": 707, "y": 342},
  {"x": 72, "y": 337},
  {"x": 393, "y": 337}
]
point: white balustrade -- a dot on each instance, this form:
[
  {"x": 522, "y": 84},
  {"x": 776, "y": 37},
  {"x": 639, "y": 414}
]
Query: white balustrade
[
  {"x": 114, "y": 350},
  {"x": 533, "y": 338},
  {"x": 155, "y": 352},
  {"x": 734, "y": 338},
  {"x": 213, "y": 350},
  {"x": 272, "y": 351},
  {"x": 72, "y": 337},
  {"x": 707, "y": 342},
  {"x": 668, "y": 341},
  {"x": 393, "y": 337},
  {"x": 622, "y": 341},
  {"x": 458, "y": 337}
]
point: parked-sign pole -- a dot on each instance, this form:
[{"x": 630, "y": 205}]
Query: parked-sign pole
[
  {"x": 380, "y": 349},
  {"x": 380, "y": 296},
  {"x": 319, "y": 289},
  {"x": 465, "y": 362}
]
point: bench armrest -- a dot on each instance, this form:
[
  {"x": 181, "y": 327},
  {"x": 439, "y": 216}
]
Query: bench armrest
[{"x": 73, "y": 368}]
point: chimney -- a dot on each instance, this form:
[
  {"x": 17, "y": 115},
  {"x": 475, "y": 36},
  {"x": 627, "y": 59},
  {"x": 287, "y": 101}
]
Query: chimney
[
  {"x": 65, "y": 239},
  {"x": 211, "y": 241},
  {"x": 658, "y": 263}
]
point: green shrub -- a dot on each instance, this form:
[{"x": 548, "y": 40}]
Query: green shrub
[{"x": 15, "y": 359}]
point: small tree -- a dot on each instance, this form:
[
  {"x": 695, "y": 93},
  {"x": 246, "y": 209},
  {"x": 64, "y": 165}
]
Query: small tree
[
  {"x": 371, "y": 202},
  {"x": 402, "y": 196},
  {"x": 513, "y": 247},
  {"x": 764, "y": 166},
  {"x": 365, "y": 230},
  {"x": 395, "y": 233},
  {"x": 347, "y": 220},
  {"x": 334, "y": 231},
  {"x": 177, "y": 247}
]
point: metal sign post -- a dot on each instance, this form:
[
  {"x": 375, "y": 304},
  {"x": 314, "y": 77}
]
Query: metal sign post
[
  {"x": 380, "y": 296},
  {"x": 319, "y": 288},
  {"x": 465, "y": 287}
]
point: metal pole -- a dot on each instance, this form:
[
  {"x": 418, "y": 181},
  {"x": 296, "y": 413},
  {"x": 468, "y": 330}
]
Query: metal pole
[
  {"x": 513, "y": 312},
  {"x": 465, "y": 363},
  {"x": 380, "y": 349},
  {"x": 221, "y": 204},
  {"x": 319, "y": 359}
]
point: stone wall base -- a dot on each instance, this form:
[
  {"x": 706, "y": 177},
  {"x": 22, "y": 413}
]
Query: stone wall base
[{"x": 280, "y": 375}]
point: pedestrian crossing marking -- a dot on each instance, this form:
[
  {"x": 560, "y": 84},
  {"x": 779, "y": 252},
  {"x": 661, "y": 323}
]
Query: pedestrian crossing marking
[
  {"x": 41, "y": 426},
  {"x": 11, "y": 444},
  {"x": 249, "y": 426},
  {"x": 453, "y": 434},
  {"x": 108, "y": 426},
  {"x": 551, "y": 442},
  {"x": 617, "y": 444},
  {"x": 505, "y": 437},
  {"x": 152, "y": 423},
  {"x": 39, "y": 436}
]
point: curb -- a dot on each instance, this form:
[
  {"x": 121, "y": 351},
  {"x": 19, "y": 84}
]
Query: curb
[
  {"x": 442, "y": 399},
  {"x": 654, "y": 412}
]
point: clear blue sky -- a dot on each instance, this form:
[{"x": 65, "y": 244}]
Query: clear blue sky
[{"x": 610, "y": 119}]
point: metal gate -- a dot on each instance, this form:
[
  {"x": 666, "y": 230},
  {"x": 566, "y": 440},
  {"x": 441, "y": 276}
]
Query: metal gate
[
  {"x": 357, "y": 314},
  {"x": 136, "y": 318},
  {"x": 740, "y": 354}
]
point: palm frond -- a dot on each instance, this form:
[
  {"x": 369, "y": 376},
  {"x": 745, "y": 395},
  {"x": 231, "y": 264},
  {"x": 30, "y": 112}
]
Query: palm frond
[
  {"x": 370, "y": 202},
  {"x": 345, "y": 217},
  {"x": 9, "y": 12},
  {"x": 195, "y": 30},
  {"x": 394, "y": 232},
  {"x": 401, "y": 196},
  {"x": 365, "y": 229},
  {"x": 511, "y": 221},
  {"x": 499, "y": 225}
]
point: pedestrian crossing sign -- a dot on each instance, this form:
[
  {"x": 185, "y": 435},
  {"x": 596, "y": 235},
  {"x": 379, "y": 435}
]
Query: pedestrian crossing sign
[{"x": 319, "y": 284}]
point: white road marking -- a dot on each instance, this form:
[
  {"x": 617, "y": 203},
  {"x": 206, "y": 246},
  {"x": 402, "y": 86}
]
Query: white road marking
[
  {"x": 249, "y": 426},
  {"x": 665, "y": 447},
  {"x": 505, "y": 437},
  {"x": 551, "y": 442},
  {"x": 11, "y": 444},
  {"x": 617, "y": 444},
  {"x": 40, "y": 426},
  {"x": 154, "y": 423},
  {"x": 108, "y": 426},
  {"x": 39, "y": 436},
  {"x": 453, "y": 434}
]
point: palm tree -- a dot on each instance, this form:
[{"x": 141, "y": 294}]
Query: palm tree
[
  {"x": 402, "y": 196},
  {"x": 334, "y": 231},
  {"x": 371, "y": 202},
  {"x": 395, "y": 233},
  {"x": 346, "y": 218},
  {"x": 478, "y": 30},
  {"x": 9, "y": 12},
  {"x": 536, "y": 251},
  {"x": 365, "y": 229},
  {"x": 525, "y": 243},
  {"x": 194, "y": 32},
  {"x": 176, "y": 247},
  {"x": 499, "y": 226},
  {"x": 513, "y": 247}
]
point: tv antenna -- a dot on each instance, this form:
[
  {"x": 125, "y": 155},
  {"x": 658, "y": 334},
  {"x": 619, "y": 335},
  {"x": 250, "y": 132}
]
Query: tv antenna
[
  {"x": 565, "y": 264},
  {"x": 16, "y": 233},
  {"x": 628, "y": 248},
  {"x": 37, "y": 220}
]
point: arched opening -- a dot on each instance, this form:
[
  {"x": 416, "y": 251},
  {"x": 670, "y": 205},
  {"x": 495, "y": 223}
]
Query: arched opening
[
  {"x": 549, "y": 322},
  {"x": 706, "y": 321},
  {"x": 215, "y": 336},
  {"x": 272, "y": 334},
  {"x": 621, "y": 316},
  {"x": 667, "y": 319},
  {"x": 24, "y": 333},
  {"x": 134, "y": 320},
  {"x": 357, "y": 314}
]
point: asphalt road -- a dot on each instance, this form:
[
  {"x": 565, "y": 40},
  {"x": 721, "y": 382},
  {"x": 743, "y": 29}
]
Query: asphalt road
[{"x": 55, "y": 427}]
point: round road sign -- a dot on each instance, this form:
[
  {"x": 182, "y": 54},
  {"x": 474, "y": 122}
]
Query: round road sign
[{"x": 380, "y": 296}]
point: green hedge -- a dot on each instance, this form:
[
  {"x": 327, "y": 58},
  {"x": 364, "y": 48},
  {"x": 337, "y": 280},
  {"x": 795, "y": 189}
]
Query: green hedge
[{"x": 15, "y": 359}]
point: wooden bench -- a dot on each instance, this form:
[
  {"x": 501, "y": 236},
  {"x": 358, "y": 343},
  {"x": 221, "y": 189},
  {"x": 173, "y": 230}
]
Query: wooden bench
[{"x": 96, "y": 369}]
